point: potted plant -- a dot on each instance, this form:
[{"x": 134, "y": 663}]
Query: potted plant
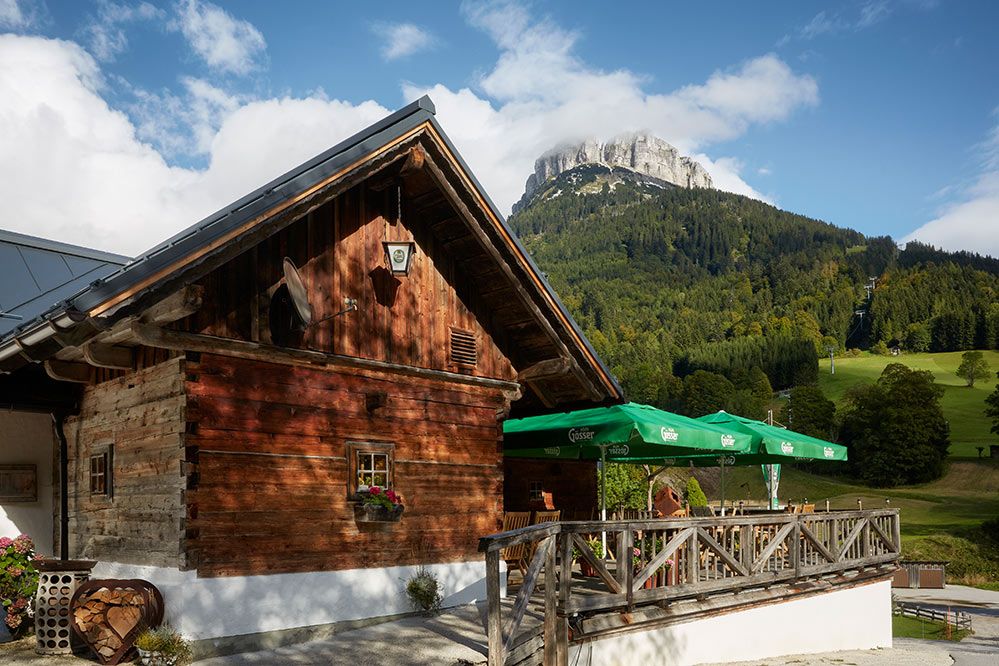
[
  {"x": 584, "y": 566},
  {"x": 162, "y": 647},
  {"x": 377, "y": 505},
  {"x": 18, "y": 583},
  {"x": 661, "y": 576}
]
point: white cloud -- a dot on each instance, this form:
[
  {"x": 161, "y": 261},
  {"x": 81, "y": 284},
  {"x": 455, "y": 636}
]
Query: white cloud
[
  {"x": 540, "y": 93},
  {"x": 105, "y": 32},
  {"x": 873, "y": 12},
  {"x": 118, "y": 189},
  {"x": 402, "y": 39},
  {"x": 14, "y": 16},
  {"x": 225, "y": 43},
  {"x": 972, "y": 222},
  {"x": 82, "y": 175}
]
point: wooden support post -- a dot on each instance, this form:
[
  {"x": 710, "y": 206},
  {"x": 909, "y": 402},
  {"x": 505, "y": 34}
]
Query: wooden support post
[
  {"x": 564, "y": 595},
  {"x": 865, "y": 538},
  {"x": 746, "y": 547},
  {"x": 896, "y": 529},
  {"x": 494, "y": 624},
  {"x": 693, "y": 559},
  {"x": 625, "y": 570},
  {"x": 551, "y": 603},
  {"x": 795, "y": 550}
]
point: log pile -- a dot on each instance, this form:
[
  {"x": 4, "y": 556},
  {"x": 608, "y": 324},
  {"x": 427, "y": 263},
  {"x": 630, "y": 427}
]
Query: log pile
[{"x": 108, "y": 615}]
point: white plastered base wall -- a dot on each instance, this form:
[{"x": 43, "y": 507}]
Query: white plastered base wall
[
  {"x": 201, "y": 608},
  {"x": 857, "y": 618}
]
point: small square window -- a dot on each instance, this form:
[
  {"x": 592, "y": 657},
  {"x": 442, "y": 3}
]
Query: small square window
[
  {"x": 371, "y": 464},
  {"x": 100, "y": 473},
  {"x": 535, "y": 491}
]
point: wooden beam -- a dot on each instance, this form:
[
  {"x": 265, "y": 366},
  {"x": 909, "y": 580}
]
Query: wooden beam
[
  {"x": 154, "y": 336},
  {"x": 109, "y": 356},
  {"x": 547, "y": 369},
  {"x": 182, "y": 303},
  {"x": 64, "y": 371}
]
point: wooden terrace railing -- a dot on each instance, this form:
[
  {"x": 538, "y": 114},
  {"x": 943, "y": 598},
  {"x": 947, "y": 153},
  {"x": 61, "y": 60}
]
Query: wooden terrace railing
[{"x": 657, "y": 561}]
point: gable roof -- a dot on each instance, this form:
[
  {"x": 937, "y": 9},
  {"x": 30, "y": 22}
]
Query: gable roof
[
  {"x": 36, "y": 274},
  {"x": 178, "y": 260}
]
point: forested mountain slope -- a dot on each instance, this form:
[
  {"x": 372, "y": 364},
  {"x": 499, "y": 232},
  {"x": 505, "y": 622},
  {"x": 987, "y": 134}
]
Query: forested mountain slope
[{"x": 667, "y": 280}]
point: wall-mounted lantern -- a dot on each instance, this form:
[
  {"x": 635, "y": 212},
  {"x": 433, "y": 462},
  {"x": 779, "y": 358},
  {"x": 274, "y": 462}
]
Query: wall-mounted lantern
[{"x": 399, "y": 255}]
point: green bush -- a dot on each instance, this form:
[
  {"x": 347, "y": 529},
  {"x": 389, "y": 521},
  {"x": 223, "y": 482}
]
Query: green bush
[
  {"x": 424, "y": 591},
  {"x": 693, "y": 494}
]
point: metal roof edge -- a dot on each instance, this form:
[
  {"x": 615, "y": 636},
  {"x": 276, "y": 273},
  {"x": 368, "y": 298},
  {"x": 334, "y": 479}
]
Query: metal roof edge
[{"x": 40, "y": 243}]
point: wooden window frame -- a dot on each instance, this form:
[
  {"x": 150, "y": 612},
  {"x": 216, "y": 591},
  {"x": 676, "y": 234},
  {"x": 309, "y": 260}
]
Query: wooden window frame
[
  {"x": 101, "y": 482},
  {"x": 531, "y": 487},
  {"x": 355, "y": 448}
]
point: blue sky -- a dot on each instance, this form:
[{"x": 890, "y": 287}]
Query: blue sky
[{"x": 875, "y": 114}]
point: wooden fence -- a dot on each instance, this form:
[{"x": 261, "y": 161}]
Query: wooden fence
[
  {"x": 958, "y": 619},
  {"x": 656, "y": 561}
]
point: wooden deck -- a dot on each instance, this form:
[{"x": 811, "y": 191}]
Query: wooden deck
[{"x": 655, "y": 564}]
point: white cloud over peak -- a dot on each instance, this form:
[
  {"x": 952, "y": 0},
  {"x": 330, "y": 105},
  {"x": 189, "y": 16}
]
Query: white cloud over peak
[
  {"x": 402, "y": 39},
  {"x": 105, "y": 32},
  {"x": 225, "y": 43},
  {"x": 540, "y": 93},
  {"x": 972, "y": 222}
]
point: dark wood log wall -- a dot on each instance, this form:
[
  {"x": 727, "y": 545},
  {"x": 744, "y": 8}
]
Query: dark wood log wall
[
  {"x": 338, "y": 250},
  {"x": 268, "y": 490}
]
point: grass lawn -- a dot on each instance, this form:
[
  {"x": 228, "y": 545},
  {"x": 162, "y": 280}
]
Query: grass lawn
[
  {"x": 911, "y": 627},
  {"x": 963, "y": 407}
]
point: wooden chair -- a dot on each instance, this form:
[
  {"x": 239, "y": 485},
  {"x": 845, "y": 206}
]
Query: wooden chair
[
  {"x": 807, "y": 508},
  {"x": 539, "y": 517},
  {"x": 514, "y": 556}
]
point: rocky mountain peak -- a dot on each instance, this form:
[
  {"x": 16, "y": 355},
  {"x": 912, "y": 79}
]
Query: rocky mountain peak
[{"x": 642, "y": 153}]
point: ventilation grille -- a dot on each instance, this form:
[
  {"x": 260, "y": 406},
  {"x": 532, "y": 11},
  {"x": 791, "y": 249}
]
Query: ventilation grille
[{"x": 464, "y": 350}]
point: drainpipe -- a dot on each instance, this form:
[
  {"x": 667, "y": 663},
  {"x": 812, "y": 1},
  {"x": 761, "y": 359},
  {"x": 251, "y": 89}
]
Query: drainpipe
[{"x": 57, "y": 419}]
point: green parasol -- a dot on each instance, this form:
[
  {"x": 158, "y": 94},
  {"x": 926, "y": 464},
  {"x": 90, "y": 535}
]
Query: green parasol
[{"x": 620, "y": 433}]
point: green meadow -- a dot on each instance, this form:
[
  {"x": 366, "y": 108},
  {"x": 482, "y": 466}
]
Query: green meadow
[{"x": 963, "y": 406}]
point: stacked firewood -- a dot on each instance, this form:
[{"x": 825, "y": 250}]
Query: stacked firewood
[{"x": 108, "y": 615}]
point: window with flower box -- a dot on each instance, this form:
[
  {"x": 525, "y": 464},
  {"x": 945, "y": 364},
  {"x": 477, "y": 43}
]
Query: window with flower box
[{"x": 371, "y": 464}]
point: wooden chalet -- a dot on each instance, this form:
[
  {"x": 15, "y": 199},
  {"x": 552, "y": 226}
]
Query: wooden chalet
[{"x": 207, "y": 439}]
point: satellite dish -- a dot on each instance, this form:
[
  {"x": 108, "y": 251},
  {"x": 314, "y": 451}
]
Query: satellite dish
[{"x": 296, "y": 291}]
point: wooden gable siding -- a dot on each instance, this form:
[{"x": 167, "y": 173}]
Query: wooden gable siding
[
  {"x": 338, "y": 250},
  {"x": 142, "y": 416},
  {"x": 268, "y": 488}
]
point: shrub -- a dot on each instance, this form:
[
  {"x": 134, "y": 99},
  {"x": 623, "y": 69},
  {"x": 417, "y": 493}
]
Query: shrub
[
  {"x": 424, "y": 591},
  {"x": 18, "y": 582},
  {"x": 166, "y": 642},
  {"x": 693, "y": 493},
  {"x": 595, "y": 545}
]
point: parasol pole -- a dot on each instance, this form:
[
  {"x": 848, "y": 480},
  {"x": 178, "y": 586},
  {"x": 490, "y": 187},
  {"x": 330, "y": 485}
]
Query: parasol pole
[{"x": 603, "y": 497}]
